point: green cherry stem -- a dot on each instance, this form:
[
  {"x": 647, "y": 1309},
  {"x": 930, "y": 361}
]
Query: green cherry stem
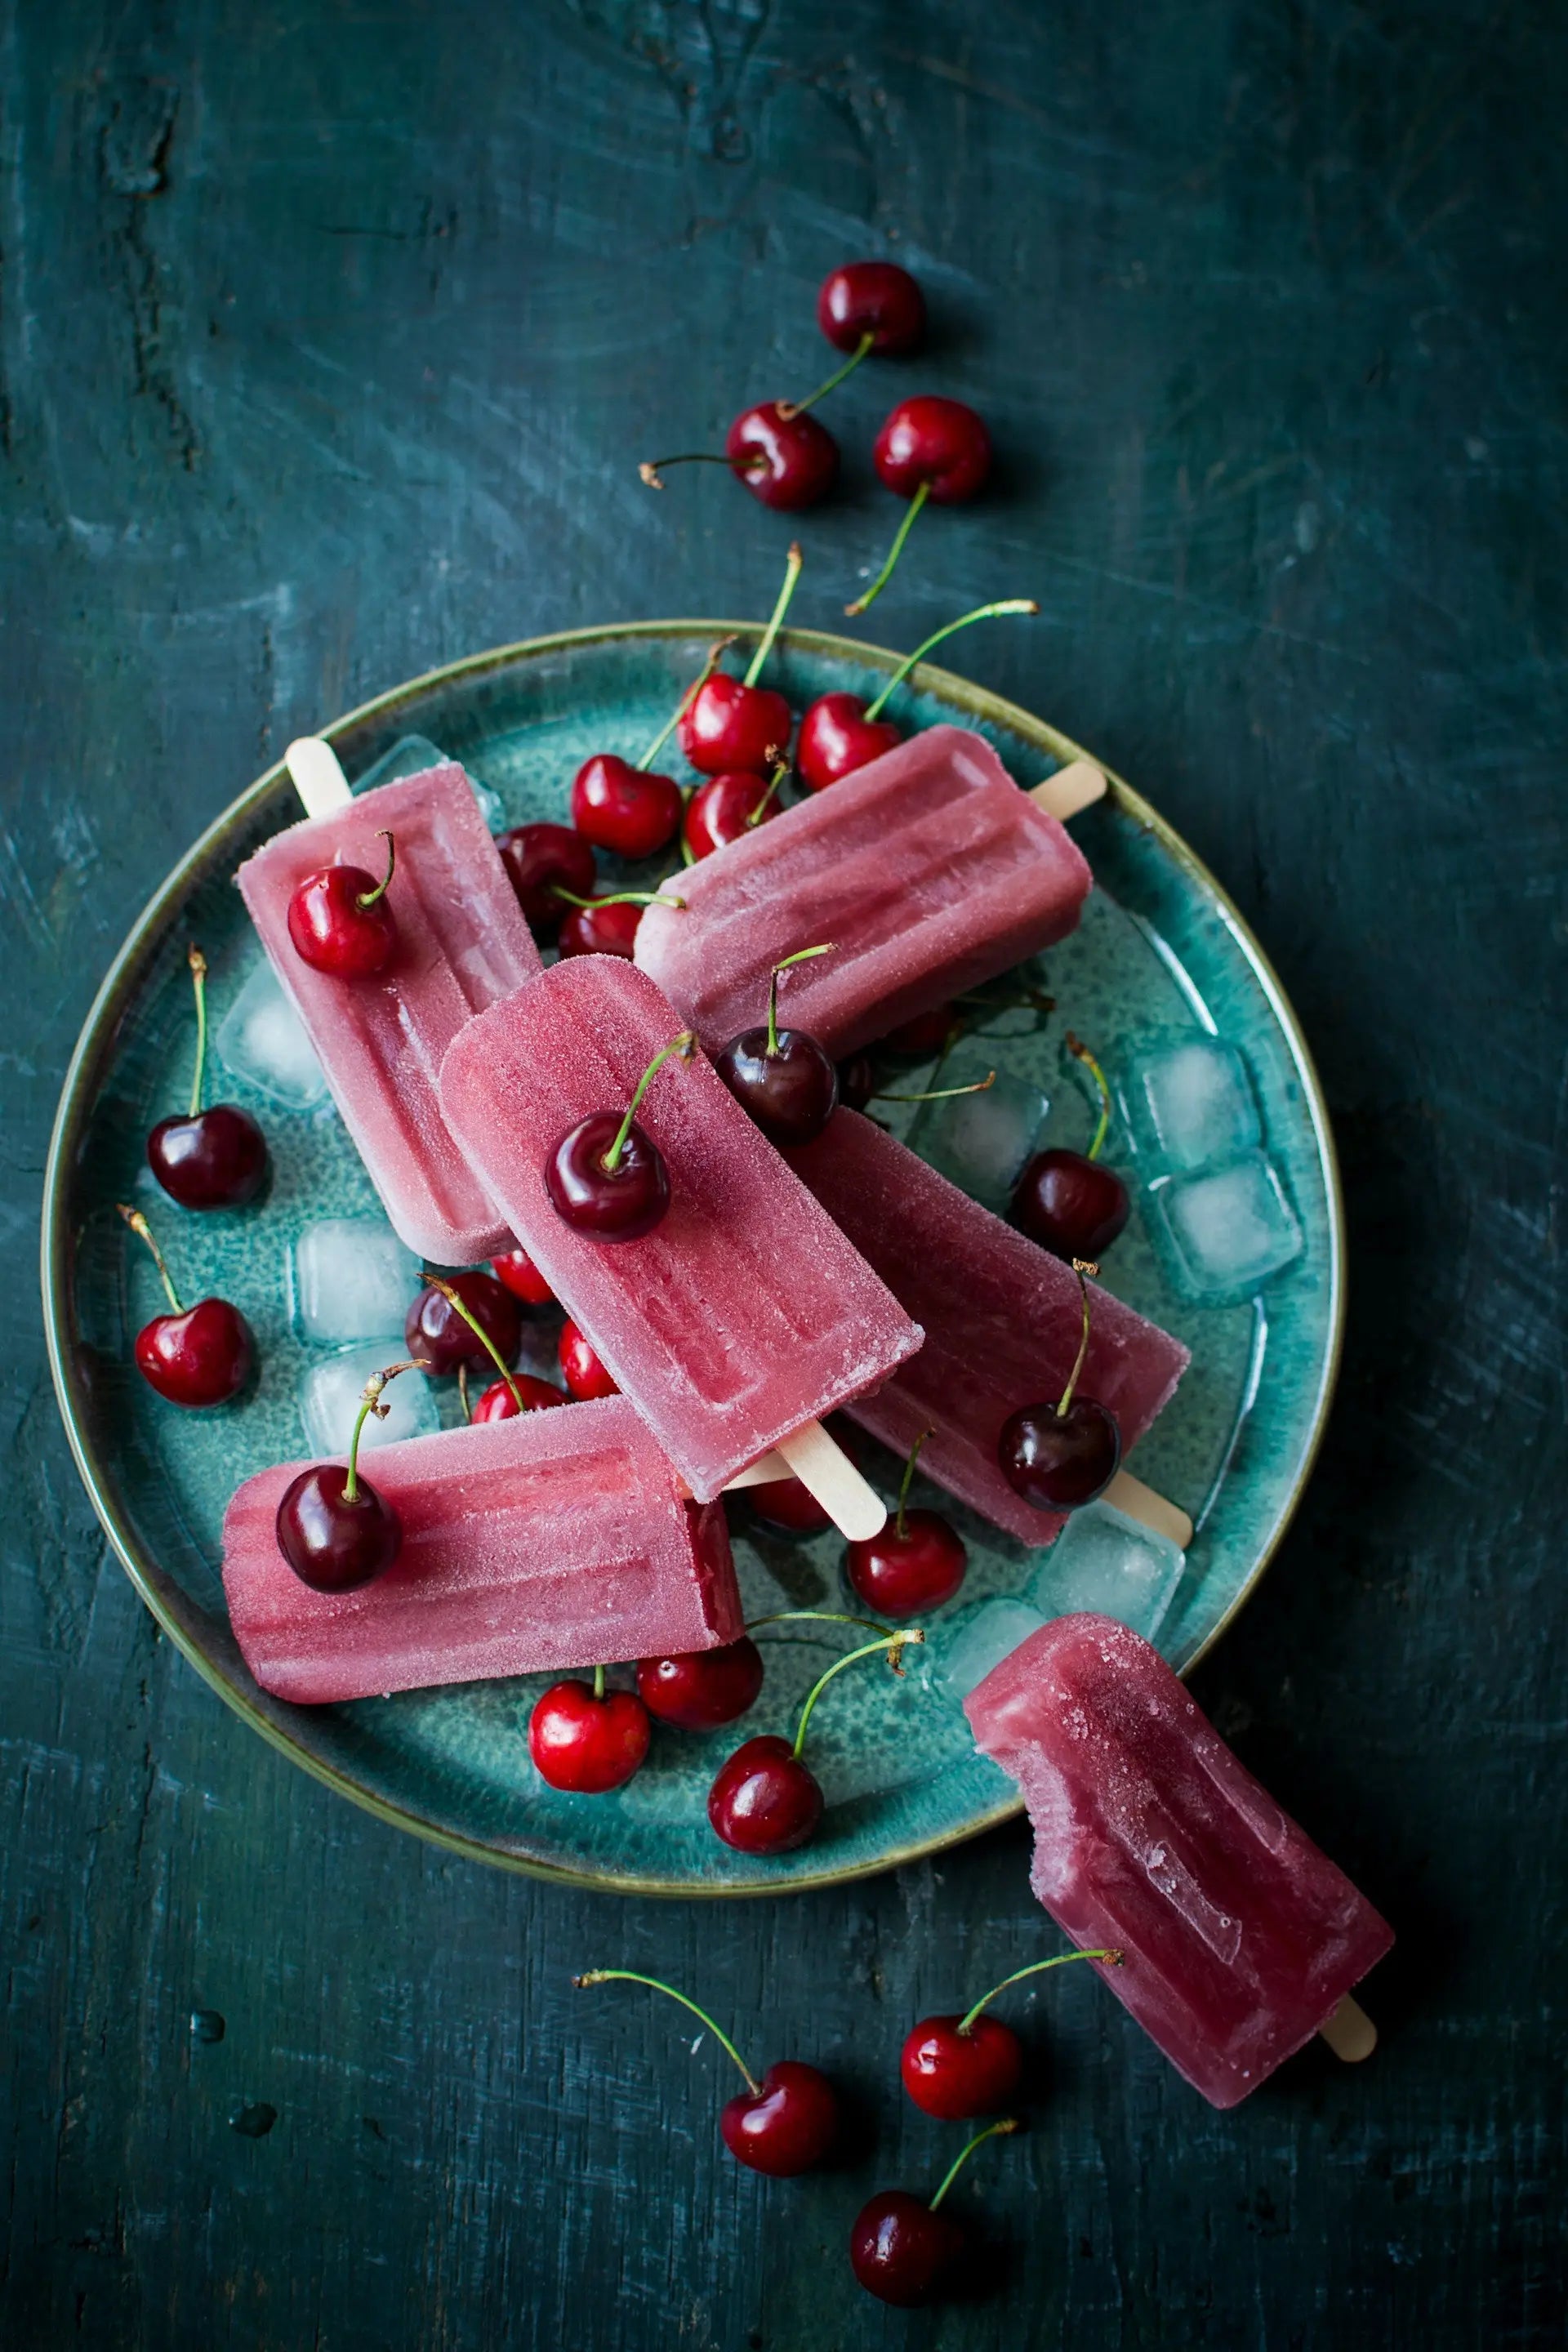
[
  {"x": 1082, "y": 1268},
  {"x": 862, "y": 603},
  {"x": 801, "y": 955},
  {"x": 788, "y": 408},
  {"x": 1078, "y": 1048},
  {"x": 791, "y": 574},
  {"x": 683, "y": 1046},
  {"x": 811, "y": 1616},
  {"x": 684, "y": 705},
  {"x": 631, "y": 1976},
  {"x": 198, "y": 964},
  {"x": 904, "y": 1482},
  {"x": 1061, "y": 1960},
  {"x": 939, "y": 1094},
  {"x": 980, "y": 612},
  {"x": 454, "y": 1298},
  {"x": 369, "y": 897},
  {"x": 774, "y": 780},
  {"x": 892, "y": 1642},
  {"x": 651, "y": 468},
  {"x": 143, "y": 1232},
  {"x": 616, "y": 898},
  {"x": 599, "y": 1682},
  {"x": 370, "y": 1401},
  {"x": 1001, "y": 2131}
]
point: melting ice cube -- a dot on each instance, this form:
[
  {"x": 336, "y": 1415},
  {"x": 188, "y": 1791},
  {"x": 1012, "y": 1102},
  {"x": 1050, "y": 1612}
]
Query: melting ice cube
[
  {"x": 351, "y": 1278},
  {"x": 962, "y": 1654},
  {"x": 329, "y": 1399},
  {"x": 1104, "y": 1561},
  {"x": 1229, "y": 1231},
  {"x": 979, "y": 1142},
  {"x": 1190, "y": 1105},
  {"x": 262, "y": 1039}
]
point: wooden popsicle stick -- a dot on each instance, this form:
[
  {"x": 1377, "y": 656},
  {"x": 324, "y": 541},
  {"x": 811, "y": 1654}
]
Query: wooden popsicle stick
[
  {"x": 1069, "y": 790},
  {"x": 1136, "y": 1501},
  {"x": 764, "y": 1472},
  {"x": 317, "y": 776},
  {"x": 825, "y": 1470},
  {"x": 1349, "y": 2032}
]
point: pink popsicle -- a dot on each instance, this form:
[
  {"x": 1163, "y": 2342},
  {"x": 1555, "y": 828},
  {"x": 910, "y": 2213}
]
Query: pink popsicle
[
  {"x": 929, "y": 870},
  {"x": 1001, "y": 1317},
  {"x": 1239, "y": 1938},
  {"x": 745, "y": 1313},
  {"x": 462, "y": 943},
  {"x": 554, "y": 1539}
]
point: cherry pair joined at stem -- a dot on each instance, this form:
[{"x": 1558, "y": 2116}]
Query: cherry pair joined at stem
[
  {"x": 1059, "y": 1457},
  {"x": 212, "y": 1159},
  {"x": 1069, "y": 1202},
  {"x": 340, "y": 919}
]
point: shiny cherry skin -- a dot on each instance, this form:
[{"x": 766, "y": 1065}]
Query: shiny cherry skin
[
  {"x": 437, "y": 1335},
  {"x": 725, "y": 809},
  {"x": 901, "y": 1575},
  {"x": 857, "y": 1081},
  {"x": 332, "y": 1544},
  {"x": 729, "y": 724},
  {"x": 787, "y": 1503},
  {"x": 923, "y": 1032},
  {"x": 215, "y": 1159},
  {"x": 875, "y": 298},
  {"x": 618, "y": 1204},
  {"x": 937, "y": 442},
  {"x": 584, "y": 1744},
  {"x": 790, "y": 1094},
  {"x": 332, "y": 932},
  {"x": 1069, "y": 1204},
  {"x": 901, "y": 2251},
  {"x": 201, "y": 1356},
  {"x": 620, "y": 807},
  {"x": 516, "y": 1272},
  {"x": 498, "y": 1402},
  {"x": 787, "y": 2126},
  {"x": 541, "y": 857},
  {"x": 1057, "y": 1460},
  {"x": 837, "y": 738},
  {"x": 704, "y": 1689},
  {"x": 602, "y": 928},
  {"x": 581, "y": 1370},
  {"x": 788, "y": 462},
  {"x": 763, "y": 1800},
  {"x": 957, "y": 2075}
]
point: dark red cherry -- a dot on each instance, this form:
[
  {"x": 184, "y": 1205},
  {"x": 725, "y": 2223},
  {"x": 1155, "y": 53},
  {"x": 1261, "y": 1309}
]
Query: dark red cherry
[
  {"x": 857, "y": 1081},
  {"x": 620, "y": 807},
  {"x": 763, "y": 1800},
  {"x": 924, "y": 1032},
  {"x": 729, "y": 724},
  {"x": 500, "y": 1403},
  {"x": 438, "y": 1337},
  {"x": 788, "y": 2125},
  {"x": 200, "y": 1356},
  {"x": 334, "y": 1542},
  {"x": 908, "y": 1568},
  {"x": 956, "y": 2075},
  {"x": 618, "y": 1204},
  {"x": 790, "y": 1092},
  {"x": 609, "y": 927},
  {"x": 540, "y": 859},
  {"x": 786, "y": 461},
  {"x": 340, "y": 921},
  {"x": 1060, "y": 1461},
  {"x": 581, "y": 1370},
  {"x": 787, "y": 1503},
  {"x": 901, "y": 2251},
  {"x": 705, "y": 1688},
  {"x": 215, "y": 1159},
  {"x": 726, "y": 809},
  {"x": 1070, "y": 1204},
  {"x": 837, "y": 738},
  {"x": 935, "y": 443},
  {"x": 587, "y": 1741},
  {"x": 875, "y": 298},
  {"x": 517, "y": 1272}
]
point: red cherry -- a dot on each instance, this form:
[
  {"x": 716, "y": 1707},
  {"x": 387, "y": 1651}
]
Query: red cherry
[
  {"x": 200, "y": 1356},
  {"x": 1060, "y": 1461},
  {"x": 704, "y": 1688},
  {"x": 340, "y": 921},
  {"x": 499, "y": 1403},
  {"x": 787, "y": 1085},
  {"x": 916, "y": 1563},
  {"x": 585, "y": 1739},
  {"x": 516, "y": 1270},
  {"x": 581, "y": 1370},
  {"x": 608, "y": 927},
  {"x": 875, "y": 298},
  {"x": 729, "y": 724},
  {"x": 956, "y": 2075},
  {"x": 438, "y": 1337},
  {"x": 726, "y": 809},
  {"x": 623, "y": 808},
  {"x": 788, "y": 461},
  {"x": 214, "y": 1159},
  {"x": 618, "y": 1204},
  {"x": 763, "y": 1800},
  {"x": 901, "y": 2251},
  {"x": 786, "y": 1503},
  {"x": 1071, "y": 1206},
  {"x": 837, "y": 738},
  {"x": 935, "y": 444},
  {"x": 540, "y": 859},
  {"x": 335, "y": 1542},
  {"x": 786, "y": 2124},
  {"x": 857, "y": 1081}
]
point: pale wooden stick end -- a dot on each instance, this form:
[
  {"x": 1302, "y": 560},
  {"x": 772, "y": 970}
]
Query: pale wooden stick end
[
  {"x": 1136, "y": 1501},
  {"x": 823, "y": 1467},
  {"x": 1069, "y": 790},
  {"x": 1349, "y": 2032},
  {"x": 764, "y": 1472},
  {"x": 317, "y": 776}
]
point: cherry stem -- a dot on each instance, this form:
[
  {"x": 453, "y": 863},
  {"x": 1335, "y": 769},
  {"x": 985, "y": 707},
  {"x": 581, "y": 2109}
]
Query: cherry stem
[
  {"x": 368, "y": 898},
  {"x": 198, "y": 964},
  {"x": 966, "y": 2024},
  {"x": 1076, "y": 1047},
  {"x": 774, "y": 780},
  {"x": 892, "y": 1642},
  {"x": 899, "y": 1528},
  {"x": 811, "y": 1616},
  {"x": 631, "y": 1976},
  {"x": 370, "y": 1401},
  {"x": 980, "y": 612},
  {"x": 791, "y": 574},
  {"x": 801, "y": 955},
  {"x": 454, "y": 1298},
  {"x": 1008, "y": 2124},
  {"x": 683, "y": 1046},
  {"x": 599, "y": 1682},
  {"x": 684, "y": 705},
  {"x": 615, "y": 898},
  {"x": 1082, "y": 1267},
  {"x": 143, "y": 1232},
  {"x": 651, "y": 468},
  {"x": 940, "y": 1094},
  {"x": 897, "y": 549},
  {"x": 463, "y": 1392},
  {"x": 788, "y": 408}
]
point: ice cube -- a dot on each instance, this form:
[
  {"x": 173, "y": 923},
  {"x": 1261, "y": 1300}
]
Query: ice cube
[
  {"x": 962, "y": 1653},
  {"x": 410, "y": 756},
  {"x": 1107, "y": 1562},
  {"x": 1191, "y": 1105},
  {"x": 351, "y": 1278},
  {"x": 1228, "y": 1230},
  {"x": 261, "y": 1039},
  {"x": 979, "y": 1142},
  {"x": 330, "y": 1399}
]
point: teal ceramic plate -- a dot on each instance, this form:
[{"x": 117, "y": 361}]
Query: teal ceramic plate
[{"x": 1235, "y": 1244}]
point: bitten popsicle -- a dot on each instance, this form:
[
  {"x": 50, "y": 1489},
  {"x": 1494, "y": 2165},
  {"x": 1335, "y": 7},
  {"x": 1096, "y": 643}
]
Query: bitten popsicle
[
  {"x": 929, "y": 869},
  {"x": 1001, "y": 1318},
  {"x": 551, "y": 1540},
  {"x": 743, "y": 1314},
  {"x": 458, "y": 942},
  {"x": 1239, "y": 1938}
]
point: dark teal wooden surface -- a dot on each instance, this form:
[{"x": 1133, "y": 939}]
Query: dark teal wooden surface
[{"x": 329, "y": 338}]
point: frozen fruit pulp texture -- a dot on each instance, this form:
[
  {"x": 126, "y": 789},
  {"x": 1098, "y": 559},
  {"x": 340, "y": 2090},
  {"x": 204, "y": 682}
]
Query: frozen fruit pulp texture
[
  {"x": 929, "y": 869},
  {"x": 1239, "y": 1935}
]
